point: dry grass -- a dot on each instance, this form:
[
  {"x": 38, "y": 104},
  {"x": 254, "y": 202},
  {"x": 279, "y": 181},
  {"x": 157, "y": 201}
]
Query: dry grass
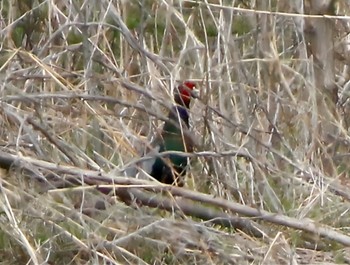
[{"x": 87, "y": 83}]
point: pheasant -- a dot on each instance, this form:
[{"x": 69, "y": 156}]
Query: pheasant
[{"x": 171, "y": 169}]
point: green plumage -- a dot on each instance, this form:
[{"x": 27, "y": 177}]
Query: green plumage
[
  {"x": 168, "y": 169},
  {"x": 171, "y": 168}
]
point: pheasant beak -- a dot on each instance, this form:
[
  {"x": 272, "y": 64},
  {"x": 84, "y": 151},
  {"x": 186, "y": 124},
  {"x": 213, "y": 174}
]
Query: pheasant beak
[
  {"x": 195, "y": 93},
  {"x": 192, "y": 90}
]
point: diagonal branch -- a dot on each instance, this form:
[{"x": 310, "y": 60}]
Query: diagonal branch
[{"x": 129, "y": 189}]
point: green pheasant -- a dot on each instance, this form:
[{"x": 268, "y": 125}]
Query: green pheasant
[{"x": 171, "y": 168}]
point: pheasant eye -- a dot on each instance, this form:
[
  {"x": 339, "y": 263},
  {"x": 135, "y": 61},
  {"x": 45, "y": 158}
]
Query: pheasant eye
[{"x": 189, "y": 85}]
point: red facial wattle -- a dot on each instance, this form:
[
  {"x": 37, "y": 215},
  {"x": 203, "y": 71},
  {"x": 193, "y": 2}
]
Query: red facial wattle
[{"x": 185, "y": 91}]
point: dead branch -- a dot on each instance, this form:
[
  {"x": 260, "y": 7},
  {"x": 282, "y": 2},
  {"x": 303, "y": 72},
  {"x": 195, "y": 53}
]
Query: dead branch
[
  {"x": 129, "y": 189},
  {"x": 187, "y": 207}
]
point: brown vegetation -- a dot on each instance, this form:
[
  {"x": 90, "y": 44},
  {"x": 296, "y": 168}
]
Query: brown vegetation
[{"x": 84, "y": 86}]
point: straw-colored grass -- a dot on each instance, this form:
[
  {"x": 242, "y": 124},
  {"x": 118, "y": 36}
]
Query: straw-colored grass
[{"x": 86, "y": 85}]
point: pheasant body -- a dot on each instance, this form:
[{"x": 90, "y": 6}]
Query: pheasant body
[{"x": 171, "y": 168}]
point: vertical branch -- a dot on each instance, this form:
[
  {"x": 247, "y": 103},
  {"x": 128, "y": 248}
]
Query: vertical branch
[
  {"x": 319, "y": 34},
  {"x": 269, "y": 87}
]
